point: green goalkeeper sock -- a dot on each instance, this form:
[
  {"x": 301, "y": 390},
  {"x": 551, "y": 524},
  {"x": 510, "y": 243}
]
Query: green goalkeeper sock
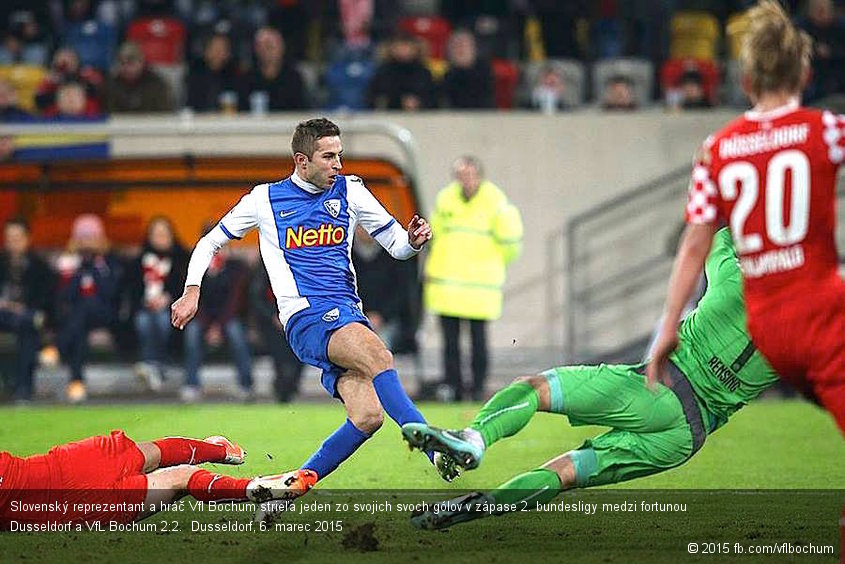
[
  {"x": 537, "y": 486},
  {"x": 507, "y": 412}
]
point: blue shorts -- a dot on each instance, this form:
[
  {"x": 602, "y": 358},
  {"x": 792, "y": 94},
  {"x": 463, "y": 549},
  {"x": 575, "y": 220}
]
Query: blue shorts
[{"x": 308, "y": 333}]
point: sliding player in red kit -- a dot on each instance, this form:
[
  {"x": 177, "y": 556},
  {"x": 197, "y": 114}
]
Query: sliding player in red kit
[
  {"x": 114, "y": 479},
  {"x": 771, "y": 176}
]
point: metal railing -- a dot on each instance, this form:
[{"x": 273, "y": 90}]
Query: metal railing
[
  {"x": 618, "y": 259},
  {"x": 619, "y": 256}
]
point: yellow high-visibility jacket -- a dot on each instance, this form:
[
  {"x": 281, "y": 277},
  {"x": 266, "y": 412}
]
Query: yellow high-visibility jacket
[{"x": 473, "y": 242}]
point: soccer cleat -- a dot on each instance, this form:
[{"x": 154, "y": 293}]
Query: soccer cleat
[
  {"x": 76, "y": 392},
  {"x": 234, "y": 453},
  {"x": 446, "y": 466},
  {"x": 287, "y": 486},
  {"x": 466, "y": 453},
  {"x": 451, "y": 512}
]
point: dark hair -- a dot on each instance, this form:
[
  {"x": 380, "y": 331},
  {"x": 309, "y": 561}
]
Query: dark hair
[
  {"x": 619, "y": 79},
  {"x": 307, "y": 134},
  {"x": 19, "y": 221}
]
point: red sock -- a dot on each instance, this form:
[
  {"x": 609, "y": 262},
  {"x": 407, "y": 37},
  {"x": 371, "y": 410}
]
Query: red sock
[
  {"x": 205, "y": 486},
  {"x": 179, "y": 450}
]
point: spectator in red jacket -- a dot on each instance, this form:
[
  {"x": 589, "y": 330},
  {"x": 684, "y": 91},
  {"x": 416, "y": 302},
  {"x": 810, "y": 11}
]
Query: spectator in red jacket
[{"x": 65, "y": 69}]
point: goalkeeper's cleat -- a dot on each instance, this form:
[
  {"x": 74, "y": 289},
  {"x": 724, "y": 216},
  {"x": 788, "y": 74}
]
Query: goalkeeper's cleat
[
  {"x": 446, "y": 466},
  {"x": 453, "y": 511},
  {"x": 465, "y": 451},
  {"x": 234, "y": 453},
  {"x": 287, "y": 486}
]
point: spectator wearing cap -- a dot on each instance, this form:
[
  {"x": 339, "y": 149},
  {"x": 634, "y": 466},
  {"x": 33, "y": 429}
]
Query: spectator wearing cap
[
  {"x": 212, "y": 76},
  {"x": 274, "y": 83},
  {"x": 89, "y": 279},
  {"x": 134, "y": 87},
  {"x": 65, "y": 68},
  {"x": 468, "y": 84},
  {"x": 402, "y": 81}
]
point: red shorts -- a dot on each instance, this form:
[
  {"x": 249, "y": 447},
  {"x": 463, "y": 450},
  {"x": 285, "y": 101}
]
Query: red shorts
[
  {"x": 805, "y": 342},
  {"x": 99, "y": 479}
]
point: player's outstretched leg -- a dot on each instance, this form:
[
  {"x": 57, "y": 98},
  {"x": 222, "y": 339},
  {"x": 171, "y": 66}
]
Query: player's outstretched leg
[
  {"x": 169, "y": 484},
  {"x": 520, "y": 493},
  {"x": 174, "y": 451},
  {"x": 505, "y": 414}
]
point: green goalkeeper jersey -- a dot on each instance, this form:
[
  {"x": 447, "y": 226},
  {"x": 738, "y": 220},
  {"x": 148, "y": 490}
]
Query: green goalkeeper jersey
[{"x": 715, "y": 351}]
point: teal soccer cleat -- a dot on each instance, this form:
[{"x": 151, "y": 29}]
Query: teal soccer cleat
[{"x": 466, "y": 452}]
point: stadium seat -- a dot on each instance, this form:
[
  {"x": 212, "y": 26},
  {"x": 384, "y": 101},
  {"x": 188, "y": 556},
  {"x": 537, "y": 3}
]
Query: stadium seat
[
  {"x": 639, "y": 71},
  {"x": 671, "y": 72},
  {"x": 162, "y": 40},
  {"x": 695, "y": 35},
  {"x": 94, "y": 42},
  {"x": 433, "y": 30},
  {"x": 506, "y": 77},
  {"x": 574, "y": 78},
  {"x": 734, "y": 30},
  {"x": 25, "y": 79}
]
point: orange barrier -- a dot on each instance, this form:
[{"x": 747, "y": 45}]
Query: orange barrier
[{"x": 189, "y": 190}]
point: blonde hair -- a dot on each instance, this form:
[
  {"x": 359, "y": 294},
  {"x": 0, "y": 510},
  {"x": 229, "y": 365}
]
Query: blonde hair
[{"x": 775, "y": 54}]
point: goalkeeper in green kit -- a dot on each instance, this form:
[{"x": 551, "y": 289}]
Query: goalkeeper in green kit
[{"x": 714, "y": 371}]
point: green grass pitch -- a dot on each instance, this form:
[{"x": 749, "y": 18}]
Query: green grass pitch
[{"x": 782, "y": 445}]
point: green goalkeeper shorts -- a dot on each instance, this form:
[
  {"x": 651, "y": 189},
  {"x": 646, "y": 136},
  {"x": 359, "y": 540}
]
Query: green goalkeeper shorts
[{"x": 651, "y": 431}]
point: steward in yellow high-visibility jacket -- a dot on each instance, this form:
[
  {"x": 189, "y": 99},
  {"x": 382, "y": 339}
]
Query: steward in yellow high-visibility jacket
[{"x": 474, "y": 239}]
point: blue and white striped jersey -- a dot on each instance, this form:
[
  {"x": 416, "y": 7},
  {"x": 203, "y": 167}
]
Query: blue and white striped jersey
[{"x": 305, "y": 237}]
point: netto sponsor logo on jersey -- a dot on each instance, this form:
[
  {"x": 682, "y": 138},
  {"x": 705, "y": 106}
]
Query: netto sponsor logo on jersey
[
  {"x": 723, "y": 373},
  {"x": 326, "y": 235}
]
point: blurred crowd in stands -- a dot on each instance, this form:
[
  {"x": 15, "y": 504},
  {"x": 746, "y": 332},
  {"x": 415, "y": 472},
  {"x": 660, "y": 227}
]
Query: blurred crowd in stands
[
  {"x": 59, "y": 309},
  {"x": 84, "y": 59}
]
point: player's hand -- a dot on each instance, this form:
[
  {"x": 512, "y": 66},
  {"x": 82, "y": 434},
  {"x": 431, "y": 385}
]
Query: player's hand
[
  {"x": 185, "y": 308},
  {"x": 656, "y": 370},
  {"x": 419, "y": 232}
]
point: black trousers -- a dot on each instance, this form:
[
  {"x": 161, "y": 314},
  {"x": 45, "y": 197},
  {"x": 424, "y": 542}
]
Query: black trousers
[{"x": 451, "y": 327}]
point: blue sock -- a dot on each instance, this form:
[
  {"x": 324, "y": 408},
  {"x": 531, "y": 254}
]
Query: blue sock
[
  {"x": 396, "y": 402},
  {"x": 335, "y": 449}
]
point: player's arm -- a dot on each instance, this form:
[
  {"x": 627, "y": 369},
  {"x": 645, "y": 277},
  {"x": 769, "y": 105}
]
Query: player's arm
[
  {"x": 702, "y": 216},
  {"x": 234, "y": 225},
  {"x": 402, "y": 243}
]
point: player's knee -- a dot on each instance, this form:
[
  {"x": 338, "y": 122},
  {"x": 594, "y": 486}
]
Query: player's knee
[
  {"x": 541, "y": 384},
  {"x": 377, "y": 361},
  {"x": 536, "y": 381},
  {"x": 369, "y": 420}
]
